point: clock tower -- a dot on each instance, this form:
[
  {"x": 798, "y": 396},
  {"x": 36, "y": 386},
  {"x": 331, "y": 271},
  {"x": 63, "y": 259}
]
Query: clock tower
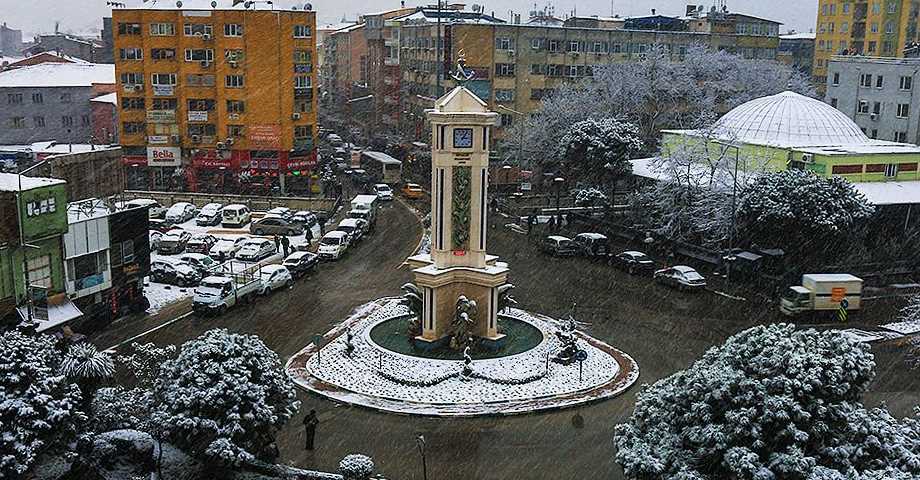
[{"x": 458, "y": 264}]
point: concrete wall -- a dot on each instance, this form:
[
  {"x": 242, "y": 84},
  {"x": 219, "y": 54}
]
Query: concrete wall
[
  {"x": 52, "y": 110},
  {"x": 94, "y": 174}
]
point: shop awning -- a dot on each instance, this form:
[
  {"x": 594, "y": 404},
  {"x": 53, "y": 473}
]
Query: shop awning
[{"x": 58, "y": 314}]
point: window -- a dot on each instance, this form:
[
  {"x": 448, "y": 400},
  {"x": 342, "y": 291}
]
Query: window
[
  {"x": 887, "y": 47},
  {"x": 876, "y": 8},
  {"x": 132, "y": 103},
  {"x": 865, "y": 80},
  {"x": 536, "y": 43},
  {"x": 129, "y": 29},
  {"x": 836, "y": 81},
  {"x": 163, "y": 54},
  {"x": 66, "y": 121},
  {"x": 37, "y": 98},
  {"x": 504, "y": 43},
  {"x": 201, "y": 104},
  {"x": 39, "y": 271},
  {"x": 202, "y": 129},
  {"x": 132, "y": 78},
  {"x": 38, "y": 122},
  {"x": 302, "y": 31},
  {"x": 197, "y": 29},
  {"x": 889, "y": 27},
  {"x": 85, "y": 120},
  {"x": 504, "y": 69},
  {"x": 17, "y": 122},
  {"x": 847, "y": 169},
  {"x": 600, "y": 47},
  {"x": 162, "y": 29},
  {"x": 507, "y": 120},
  {"x": 863, "y": 107},
  {"x": 40, "y": 206},
  {"x": 900, "y": 137},
  {"x": 234, "y": 55},
  {"x": 115, "y": 253},
  {"x": 874, "y": 27},
  {"x": 235, "y": 130},
  {"x": 877, "y": 108},
  {"x": 199, "y": 55},
  {"x": 233, "y": 30},
  {"x": 233, "y": 81},
  {"x": 834, "y": 102},
  {"x": 66, "y": 98},
  {"x": 504, "y": 95},
  {"x": 303, "y": 106},
  {"x": 846, "y": 7},
  {"x": 130, "y": 54},
  {"x": 844, "y": 27},
  {"x": 200, "y": 80},
  {"x": 14, "y": 98},
  {"x": 127, "y": 251},
  {"x": 906, "y": 83},
  {"x": 236, "y": 106},
  {"x": 303, "y": 131},
  {"x": 163, "y": 79},
  {"x": 891, "y": 170},
  {"x": 553, "y": 46},
  {"x": 302, "y": 81},
  {"x": 903, "y": 110},
  {"x": 164, "y": 103},
  {"x": 874, "y": 133},
  {"x": 133, "y": 128},
  {"x": 303, "y": 56},
  {"x": 879, "y": 81},
  {"x": 574, "y": 46}
]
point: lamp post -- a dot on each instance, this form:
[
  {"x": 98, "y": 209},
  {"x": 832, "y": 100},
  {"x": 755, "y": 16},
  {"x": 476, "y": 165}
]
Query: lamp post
[
  {"x": 731, "y": 233},
  {"x": 420, "y": 442},
  {"x": 520, "y": 139},
  {"x": 558, "y": 181}
]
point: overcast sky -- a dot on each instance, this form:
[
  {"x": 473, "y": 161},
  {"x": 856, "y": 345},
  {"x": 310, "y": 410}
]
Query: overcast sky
[{"x": 39, "y": 16}]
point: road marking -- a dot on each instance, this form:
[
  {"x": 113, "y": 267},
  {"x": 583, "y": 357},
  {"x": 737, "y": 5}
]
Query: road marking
[{"x": 148, "y": 332}]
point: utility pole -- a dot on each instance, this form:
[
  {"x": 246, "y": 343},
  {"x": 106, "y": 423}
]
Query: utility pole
[{"x": 437, "y": 53}]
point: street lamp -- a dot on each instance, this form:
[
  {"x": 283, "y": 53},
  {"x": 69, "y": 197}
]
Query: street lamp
[
  {"x": 521, "y": 139},
  {"x": 558, "y": 181},
  {"x": 420, "y": 442},
  {"x": 731, "y": 234}
]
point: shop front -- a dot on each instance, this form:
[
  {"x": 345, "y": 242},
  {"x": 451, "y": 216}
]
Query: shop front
[{"x": 217, "y": 171}]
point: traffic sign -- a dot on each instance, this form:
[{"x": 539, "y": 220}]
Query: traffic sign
[
  {"x": 844, "y": 304},
  {"x": 318, "y": 340},
  {"x": 581, "y": 355}
]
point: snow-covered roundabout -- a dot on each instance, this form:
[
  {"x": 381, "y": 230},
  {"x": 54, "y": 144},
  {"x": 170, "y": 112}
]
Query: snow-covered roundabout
[{"x": 375, "y": 377}]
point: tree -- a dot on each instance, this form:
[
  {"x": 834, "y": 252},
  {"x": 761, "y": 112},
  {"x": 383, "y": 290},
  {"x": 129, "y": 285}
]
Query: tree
[
  {"x": 802, "y": 213},
  {"x": 771, "y": 403},
  {"x": 224, "y": 397},
  {"x": 39, "y": 408},
  {"x": 593, "y": 149},
  {"x": 88, "y": 368},
  {"x": 589, "y": 197},
  {"x": 356, "y": 467}
]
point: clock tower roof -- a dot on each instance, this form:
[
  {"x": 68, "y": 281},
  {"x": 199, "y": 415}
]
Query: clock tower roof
[{"x": 460, "y": 105}]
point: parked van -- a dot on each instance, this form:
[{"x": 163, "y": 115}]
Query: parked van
[
  {"x": 155, "y": 209},
  {"x": 236, "y": 216},
  {"x": 332, "y": 246}
]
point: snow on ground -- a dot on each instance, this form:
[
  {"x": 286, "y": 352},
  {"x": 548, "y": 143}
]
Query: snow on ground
[
  {"x": 160, "y": 295},
  {"x": 904, "y": 328},
  {"x": 378, "y": 378}
]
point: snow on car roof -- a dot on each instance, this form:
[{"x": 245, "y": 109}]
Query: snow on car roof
[
  {"x": 349, "y": 222},
  {"x": 684, "y": 269},
  {"x": 175, "y": 231},
  {"x": 558, "y": 238},
  {"x": 299, "y": 255},
  {"x": 272, "y": 268},
  {"x": 634, "y": 253},
  {"x": 335, "y": 234},
  {"x": 592, "y": 235}
]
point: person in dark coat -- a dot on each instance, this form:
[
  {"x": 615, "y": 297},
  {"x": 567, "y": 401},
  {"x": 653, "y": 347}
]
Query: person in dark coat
[
  {"x": 277, "y": 243},
  {"x": 221, "y": 258},
  {"x": 308, "y": 236},
  {"x": 552, "y": 223},
  {"x": 286, "y": 245},
  {"x": 309, "y": 423},
  {"x": 322, "y": 228},
  {"x": 531, "y": 221}
]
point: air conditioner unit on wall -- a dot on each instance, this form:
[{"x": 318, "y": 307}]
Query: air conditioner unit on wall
[
  {"x": 175, "y": 138},
  {"x": 196, "y": 139},
  {"x": 295, "y": 116},
  {"x": 808, "y": 158},
  {"x": 206, "y": 36},
  {"x": 205, "y": 64},
  {"x": 234, "y": 64},
  {"x": 873, "y": 116}
]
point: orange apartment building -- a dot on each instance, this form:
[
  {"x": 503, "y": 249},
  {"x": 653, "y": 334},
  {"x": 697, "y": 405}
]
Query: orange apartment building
[{"x": 217, "y": 98}]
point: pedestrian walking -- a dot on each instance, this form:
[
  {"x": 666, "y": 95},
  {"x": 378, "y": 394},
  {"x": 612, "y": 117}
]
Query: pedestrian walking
[
  {"x": 309, "y": 423},
  {"x": 220, "y": 257},
  {"x": 308, "y": 236},
  {"x": 493, "y": 205},
  {"x": 286, "y": 245},
  {"x": 552, "y": 223},
  {"x": 531, "y": 221},
  {"x": 322, "y": 228},
  {"x": 277, "y": 243}
]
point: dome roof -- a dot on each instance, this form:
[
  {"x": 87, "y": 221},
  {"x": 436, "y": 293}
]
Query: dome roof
[{"x": 789, "y": 120}]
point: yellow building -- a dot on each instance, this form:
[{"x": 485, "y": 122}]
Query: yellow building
[
  {"x": 216, "y": 98},
  {"x": 873, "y": 28}
]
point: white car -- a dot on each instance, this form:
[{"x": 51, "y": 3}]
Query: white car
[
  {"x": 228, "y": 246},
  {"x": 354, "y": 227},
  {"x": 384, "y": 192},
  {"x": 283, "y": 212},
  {"x": 274, "y": 277},
  {"x": 332, "y": 246},
  {"x": 681, "y": 277},
  {"x": 155, "y": 209},
  {"x": 181, "y": 212},
  {"x": 209, "y": 215},
  {"x": 256, "y": 249}
]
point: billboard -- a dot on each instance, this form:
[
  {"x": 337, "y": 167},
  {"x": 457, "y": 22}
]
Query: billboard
[
  {"x": 267, "y": 137},
  {"x": 164, "y": 156}
]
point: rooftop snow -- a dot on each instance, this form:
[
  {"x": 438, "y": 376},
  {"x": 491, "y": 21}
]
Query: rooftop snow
[
  {"x": 10, "y": 182},
  {"x": 107, "y": 98},
  {"x": 382, "y": 158},
  {"x": 869, "y": 148},
  {"x": 197, "y": 5},
  {"x": 798, "y": 36},
  {"x": 890, "y": 193},
  {"x": 59, "y": 75}
]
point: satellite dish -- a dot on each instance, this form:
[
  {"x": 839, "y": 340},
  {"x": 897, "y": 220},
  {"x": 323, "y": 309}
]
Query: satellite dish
[
  {"x": 178, "y": 4},
  {"x": 247, "y": 4},
  {"x": 213, "y": 4},
  {"x": 307, "y": 7}
]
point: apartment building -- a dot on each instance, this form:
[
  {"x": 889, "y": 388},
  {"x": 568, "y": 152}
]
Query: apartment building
[
  {"x": 381, "y": 33},
  {"x": 863, "y": 27},
  {"x": 217, "y": 96}
]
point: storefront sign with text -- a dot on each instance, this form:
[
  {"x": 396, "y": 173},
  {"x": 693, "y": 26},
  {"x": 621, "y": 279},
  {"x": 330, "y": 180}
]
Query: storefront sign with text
[{"x": 164, "y": 156}]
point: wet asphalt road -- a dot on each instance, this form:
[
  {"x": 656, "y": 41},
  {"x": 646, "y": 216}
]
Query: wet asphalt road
[{"x": 664, "y": 330}]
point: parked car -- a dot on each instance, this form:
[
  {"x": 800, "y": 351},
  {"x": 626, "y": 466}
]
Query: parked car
[
  {"x": 200, "y": 243},
  {"x": 283, "y": 212},
  {"x": 256, "y": 249},
  {"x": 413, "y": 191},
  {"x": 235, "y": 216},
  {"x": 181, "y": 212},
  {"x": 174, "y": 241},
  {"x": 633, "y": 262},
  {"x": 275, "y": 225},
  {"x": 592, "y": 244},
  {"x": 305, "y": 218},
  {"x": 155, "y": 237},
  {"x": 203, "y": 263},
  {"x": 383, "y": 191},
  {"x": 155, "y": 210},
  {"x": 174, "y": 273},
  {"x": 299, "y": 263},
  {"x": 275, "y": 277},
  {"x": 680, "y": 276},
  {"x": 354, "y": 227},
  {"x": 209, "y": 215},
  {"x": 229, "y": 247},
  {"x": 558, "y": 246},
  {"x": 333, "y": 245}
]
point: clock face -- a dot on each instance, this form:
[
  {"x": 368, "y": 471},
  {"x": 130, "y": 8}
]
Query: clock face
[{"x": 463, "y": 138}]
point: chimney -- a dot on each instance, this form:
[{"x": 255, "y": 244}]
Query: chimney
[{"x": 653, "y": 11}]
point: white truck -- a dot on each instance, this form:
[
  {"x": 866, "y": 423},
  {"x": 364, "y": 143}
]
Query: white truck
[
  {"x": 365, "y": 208},
  {"x": 223, "y": 291},
  {"x": 823, "y": 292}
]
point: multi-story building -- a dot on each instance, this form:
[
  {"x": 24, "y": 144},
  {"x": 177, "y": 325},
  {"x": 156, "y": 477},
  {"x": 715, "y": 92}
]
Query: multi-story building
[
  {"x": 381, "y": 32},
  {"x": 217, "y": 98},
  {"x": 51, "y": 101},
  {"x": 878, "y": 94},
  {"x": 798, "y": 51},
  {"x": 325, "y": 53},
  {"x": 872, "y": 28},
  {"x": 88, "y": 49},
  {"x": 10, "y": 41}
]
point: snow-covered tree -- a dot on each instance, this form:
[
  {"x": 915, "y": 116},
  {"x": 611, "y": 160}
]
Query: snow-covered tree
[
  {"x": 88, "y": 368},
  {"x": 356, "y": 467},
  {"x": 589, "y": 197},
  {"x": 801, "y": 212},
  {"x": 224, "y": 397},
  {"x": 39, "y": 408},
  {"x": 595, "y": 149},
  {"x": 771, "y": 403}
]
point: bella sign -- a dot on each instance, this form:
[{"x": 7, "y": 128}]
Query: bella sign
[{"x": 164, "y": 156}]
